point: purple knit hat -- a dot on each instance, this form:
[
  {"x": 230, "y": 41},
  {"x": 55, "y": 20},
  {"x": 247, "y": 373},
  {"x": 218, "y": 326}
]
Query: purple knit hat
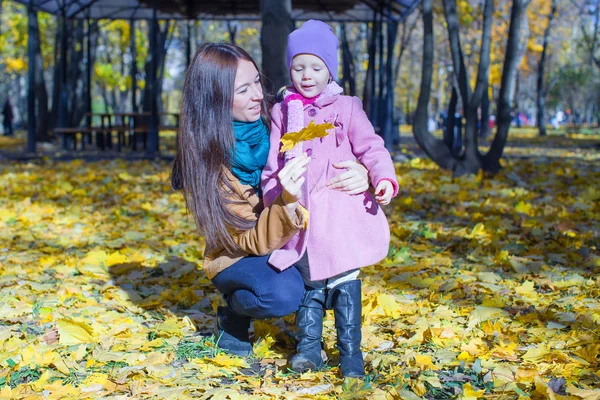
[{"x": 316, "y": 38}]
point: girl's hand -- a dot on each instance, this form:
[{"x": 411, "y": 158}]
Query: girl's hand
[
  {"x": 354, "y": 181},
  {"x": 291, "y": 179},
  {"x": 384, "y": 192}
]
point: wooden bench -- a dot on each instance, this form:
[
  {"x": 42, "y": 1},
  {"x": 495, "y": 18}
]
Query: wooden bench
[{"x": 64, "y": 134}]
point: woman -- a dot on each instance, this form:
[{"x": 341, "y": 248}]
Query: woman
[{"x": 222, "y": 147}]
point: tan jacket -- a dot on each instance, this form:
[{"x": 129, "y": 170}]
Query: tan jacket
[{"x": 274, "y": 228}]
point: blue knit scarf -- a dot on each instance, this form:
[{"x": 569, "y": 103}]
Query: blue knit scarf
[{"x": 251, "y": 151}]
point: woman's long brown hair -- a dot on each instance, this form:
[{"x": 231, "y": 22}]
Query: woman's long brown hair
[{"x": 206, "y": 141}]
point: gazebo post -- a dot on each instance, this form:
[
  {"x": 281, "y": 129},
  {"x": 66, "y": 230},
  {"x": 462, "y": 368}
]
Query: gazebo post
[
  {"x": 388, "y": 123},
  {"x": 31, "y": 139},
  {"x": 368, "y": 93},
  {"x": 153, "y": 132},
  {"x": 378, "y": 111},
  {"x": 277, "y": 24},
  {"x": 63, "y": 98},
  {"x": 88, "y": 70},
  {"x": 133, "y": 51},
  {"x": 188, "y": 45}
]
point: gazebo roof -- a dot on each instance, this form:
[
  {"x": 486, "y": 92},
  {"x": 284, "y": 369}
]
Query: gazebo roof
[{"x": 327, "y": 10}]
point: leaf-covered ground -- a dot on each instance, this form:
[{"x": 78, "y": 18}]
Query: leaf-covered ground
[{"x": 490, "y": 290}]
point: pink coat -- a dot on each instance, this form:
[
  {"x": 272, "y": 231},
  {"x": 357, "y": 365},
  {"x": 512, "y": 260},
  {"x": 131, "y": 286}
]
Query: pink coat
[{"x": 345, "y": 232}]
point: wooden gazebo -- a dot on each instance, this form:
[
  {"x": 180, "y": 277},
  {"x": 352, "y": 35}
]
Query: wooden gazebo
[{"x": 278, "y": 18}]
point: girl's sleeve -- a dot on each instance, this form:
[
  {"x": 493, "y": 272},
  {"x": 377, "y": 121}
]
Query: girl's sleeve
[
  {"x": 369, "y": 147},
  {"x": 271, "y": 188}
]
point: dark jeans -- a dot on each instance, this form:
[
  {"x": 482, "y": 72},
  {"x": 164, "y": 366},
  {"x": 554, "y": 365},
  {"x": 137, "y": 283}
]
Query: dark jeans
[{"x": 255, "y": 289}]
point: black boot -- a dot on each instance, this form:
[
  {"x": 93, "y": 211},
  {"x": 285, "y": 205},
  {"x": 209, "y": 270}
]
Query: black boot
[
  {"x": 233, "y": 332},
  {"x": 309, "y": 331},
  {"x": 345, "y": 299}
]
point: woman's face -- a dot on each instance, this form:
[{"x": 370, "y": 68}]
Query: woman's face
[{"x": 247, "y": 94}]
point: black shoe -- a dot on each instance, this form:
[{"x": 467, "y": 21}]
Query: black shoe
[
  {"x": 309, "y": 331},
  {"x": 345, "y": 299},
  {"x": 233, "y": 332}
]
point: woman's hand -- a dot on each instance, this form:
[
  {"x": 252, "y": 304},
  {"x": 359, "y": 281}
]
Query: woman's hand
[
  {"x": 354, "y": 181},
  {"x": 291, "y": 179}
]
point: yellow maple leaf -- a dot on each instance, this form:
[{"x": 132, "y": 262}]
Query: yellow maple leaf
[
  {"x": 535, "y": 355},
  {"x": 481, "y": 314},
  {"x": 589, "y": 352},
  {"x": 586, "y": 394},
  {"x": 312, "y": 131},
  {"x": 74, "y": 332},
  {"x": 224, "y": 360},
  {"x": 471, "y": 394},
  {"x": 424, "y": 362},
  {"x": 524, "y": 208},
  {"x": 262, "y": 348},
  {"x": 526, "y": 289},
  {"x": 389, "y": 305},
  {"x": 478, "y": 230},
  {"x": 115, "y": 258},
  {"x": 170, "y": 327},
  {"x": 42, "y": 382},
  {"x": 94, "y": 257}
]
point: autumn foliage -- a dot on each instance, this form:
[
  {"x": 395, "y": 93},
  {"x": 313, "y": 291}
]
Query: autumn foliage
[{"x": 490, "y": 288}]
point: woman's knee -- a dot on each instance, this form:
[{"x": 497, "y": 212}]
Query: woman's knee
[
  {"x": 283, "y": 297},
  {"x": 285, "y": 301}
]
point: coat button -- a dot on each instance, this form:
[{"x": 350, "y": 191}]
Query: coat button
[
  {"x": 312, "y": 112},
  {"x": 309, "y": 152}
]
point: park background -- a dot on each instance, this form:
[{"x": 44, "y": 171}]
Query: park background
[{"x": 490, "y": 288}]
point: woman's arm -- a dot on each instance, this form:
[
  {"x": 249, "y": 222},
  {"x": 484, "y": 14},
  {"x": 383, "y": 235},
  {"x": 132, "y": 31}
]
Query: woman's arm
[
  {"x": 278, "y": 222},
  {"x": 274, "y": 228}
]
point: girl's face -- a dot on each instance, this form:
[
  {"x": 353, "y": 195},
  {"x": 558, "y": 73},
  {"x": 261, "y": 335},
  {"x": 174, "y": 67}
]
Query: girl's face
[
  {"x": 309, "y": 75},
  {"x": 247, "y": 94}
]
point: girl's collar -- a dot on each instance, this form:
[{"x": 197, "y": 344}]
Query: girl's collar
[{"x": 327, "y": 96}]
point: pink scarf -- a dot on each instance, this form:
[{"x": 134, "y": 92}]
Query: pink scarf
[{"x": 295, "y": 103}]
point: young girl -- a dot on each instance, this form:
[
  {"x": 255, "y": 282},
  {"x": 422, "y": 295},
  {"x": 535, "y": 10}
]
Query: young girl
[{"x": 345, "y": 232}]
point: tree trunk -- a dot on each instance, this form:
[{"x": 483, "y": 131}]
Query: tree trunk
[
  {"x": 41, "y": 95},
  {"x": 484, "y": 128},
  {"x": 470, "y": 162},
  {"x": 232, "y": 28},
  {"x": 407, "y": 31},
  {"x": 32, "y": 27},
  {"x": 57, "y": 85},
  {"x": 115, "y": 105},
  {"x": 369, "y": 88},
  {"x": 348, "y": 77},
  {"x": 491, "y": 161},
  {"x": 387, "y": 120},
  {"x": 449, "y": 126},
  {"x": 458, "y": 61},
  {"x": 77, "y": 102},
  {"x": 277, "y": 24},
  {"x": 379, "y": 103},
  {"x": 434, "y": 148},
  {"x": 541, "y": 91},
  {"x": 161, "y": 40}
]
